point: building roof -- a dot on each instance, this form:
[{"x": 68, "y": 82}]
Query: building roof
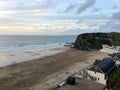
[
  {"x": 97, "y": 62},
  {"x": 116, "y": 55},
  {"x": 106, "y": 65},
  {"x": 103, "y": 66}
]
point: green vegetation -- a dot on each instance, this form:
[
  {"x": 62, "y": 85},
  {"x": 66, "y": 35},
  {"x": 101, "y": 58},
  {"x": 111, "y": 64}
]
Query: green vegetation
[
  {"x": 90, "y": 41},
  {"x": 114, "y": 81}
]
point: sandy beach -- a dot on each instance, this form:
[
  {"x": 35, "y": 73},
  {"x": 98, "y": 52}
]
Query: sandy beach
[{"x": 46, "y": 72}]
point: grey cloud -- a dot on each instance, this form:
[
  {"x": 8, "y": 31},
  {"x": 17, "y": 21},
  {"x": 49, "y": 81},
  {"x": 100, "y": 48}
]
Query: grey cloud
[
  {"x": 10, "y": 21},
  {"x": 115, "y": 7},
  {"x": 76, "y": 31},
  {"x": 96, "y": 9},
  {"x": 110, "y": 26},
  {"x": 116, "y": 16},
  {"x": 22, "y": 5},
  {"x": 79, "y": 21},
  {"x": 70, "y": 7},
  {"x": 85, "y": 6}
]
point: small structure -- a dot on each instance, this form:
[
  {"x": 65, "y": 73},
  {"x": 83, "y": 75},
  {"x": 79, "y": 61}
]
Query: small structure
[
  {"x": 70, "y": 81},
  {"x": 101, "y": 70},
  {"x": 116, "y": 57},
  {"x": 71, "y": 45}
]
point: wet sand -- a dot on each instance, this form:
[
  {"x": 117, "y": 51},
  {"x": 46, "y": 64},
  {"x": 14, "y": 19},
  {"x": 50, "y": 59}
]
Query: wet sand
[
  {"x": 46, "y": 72},
  {"x": 10, "y": 58}
]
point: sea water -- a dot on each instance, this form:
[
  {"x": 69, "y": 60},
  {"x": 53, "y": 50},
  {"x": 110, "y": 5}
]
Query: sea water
[{"x": 11, "y": 43}]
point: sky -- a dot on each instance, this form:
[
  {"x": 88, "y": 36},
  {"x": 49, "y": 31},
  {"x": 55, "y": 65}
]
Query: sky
[{"x": 58, "y": 17}]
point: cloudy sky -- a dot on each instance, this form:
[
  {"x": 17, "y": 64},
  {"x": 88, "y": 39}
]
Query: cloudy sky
[{"x": 58, "y": 17}]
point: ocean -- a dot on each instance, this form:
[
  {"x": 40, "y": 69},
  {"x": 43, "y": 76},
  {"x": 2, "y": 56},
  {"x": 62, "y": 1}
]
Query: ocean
[{"x": 11, "y": 43}]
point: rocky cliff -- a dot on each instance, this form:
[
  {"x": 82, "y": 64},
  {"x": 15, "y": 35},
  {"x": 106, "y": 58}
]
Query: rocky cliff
[{"x": 94, "y": 41}]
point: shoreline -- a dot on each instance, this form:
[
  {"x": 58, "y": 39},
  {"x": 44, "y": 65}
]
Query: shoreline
[
  {"x": 16, "y": 57},
  {"x": 46, "y": 72}
]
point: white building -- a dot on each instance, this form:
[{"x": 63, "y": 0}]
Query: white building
[
  {"x": 101, "y": 70},
  {"x": 116, "y": 57}
]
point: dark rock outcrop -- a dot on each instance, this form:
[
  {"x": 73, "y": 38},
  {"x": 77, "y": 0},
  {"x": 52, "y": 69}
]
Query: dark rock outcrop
[{"x": 94, "y": 41}]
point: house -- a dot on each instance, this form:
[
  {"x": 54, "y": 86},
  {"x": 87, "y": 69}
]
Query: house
[
  {"x": 116, "y": 57},
  {"x": 101, "y": 70}
]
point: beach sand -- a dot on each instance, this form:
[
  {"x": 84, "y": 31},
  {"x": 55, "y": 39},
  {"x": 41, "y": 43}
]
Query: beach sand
[
  {"x": 109, "y": 50},
  {"x": 46, "y": 72}
]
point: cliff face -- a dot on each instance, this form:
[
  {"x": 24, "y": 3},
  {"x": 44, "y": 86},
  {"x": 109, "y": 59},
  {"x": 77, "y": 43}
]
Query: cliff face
[{"x": 90, "y": 41}]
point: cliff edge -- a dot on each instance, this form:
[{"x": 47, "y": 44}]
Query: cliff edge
[{"x": 94, "y": 41}]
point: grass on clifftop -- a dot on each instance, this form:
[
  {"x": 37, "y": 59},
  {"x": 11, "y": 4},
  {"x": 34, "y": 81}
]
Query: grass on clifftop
[{"x": 114, "y": 81}]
